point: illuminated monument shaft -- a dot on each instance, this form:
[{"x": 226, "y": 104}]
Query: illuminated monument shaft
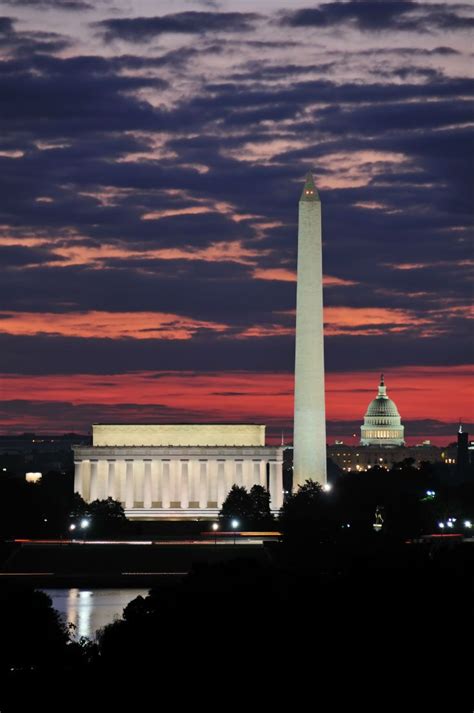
[{"x": 309, "y": 460}]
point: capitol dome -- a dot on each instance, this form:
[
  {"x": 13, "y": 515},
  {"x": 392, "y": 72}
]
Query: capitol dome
[{"x": 382, "y": 423}]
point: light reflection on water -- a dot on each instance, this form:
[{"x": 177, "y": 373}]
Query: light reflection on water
[{"x": 91, "y": 609}]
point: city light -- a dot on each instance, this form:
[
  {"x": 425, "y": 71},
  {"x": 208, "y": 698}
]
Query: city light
[
  {"x": 235, "y": 524},
  {"x": 33, "y": 477},
  {"x": 85, "y": 523},
  {"x": 449, "y": 523},
  {"x": 215, "y": 526},
  {"x": 327, "y": 487},
  {"x": 441, "y": 525},
  {"x": 72, "y": 527},
  {"x": 468, "y": 524}
]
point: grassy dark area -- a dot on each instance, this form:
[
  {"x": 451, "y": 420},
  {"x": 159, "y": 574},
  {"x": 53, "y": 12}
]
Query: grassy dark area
[
  {"x": 116, "y": 565},
  {"x": 344, "y": 616}
]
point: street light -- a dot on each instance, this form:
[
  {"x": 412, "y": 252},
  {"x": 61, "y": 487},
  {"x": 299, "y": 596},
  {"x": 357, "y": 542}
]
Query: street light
[
  {"x": 234, "y": 524},
  {"x": 215, "y": 527},
  {"x": 327, "y": 487},
  {"x": 84, "y": 524}
]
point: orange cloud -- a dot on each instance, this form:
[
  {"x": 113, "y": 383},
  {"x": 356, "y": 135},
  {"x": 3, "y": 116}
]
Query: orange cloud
[
  {"x": 275, "y": 273},
  {"x": 372, "y": 320},
  {"x": 285, "y": 275},
  {"x": 73, "y": 253},
  {"x": 193, "y": 210},
  {"x": 419, "y": 392},
  {"x": 351, "y": 170},
  {"x": 111, "y": 325},
  {"x": 269, "y": 330},
  {"x": 331, "y": 281}
]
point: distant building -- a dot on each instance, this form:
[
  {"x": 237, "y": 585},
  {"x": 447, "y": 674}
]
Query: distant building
[
  {"x": 382, "y": 442},
  {"x": 382, "y": 423},
  {"x": 30, "y": 452},
  {"x": 176, "y": 471},
  {"x": 462, "y": 460},
  {"x": 356, "y": 458},
  {"x": 33, "y": 477}
]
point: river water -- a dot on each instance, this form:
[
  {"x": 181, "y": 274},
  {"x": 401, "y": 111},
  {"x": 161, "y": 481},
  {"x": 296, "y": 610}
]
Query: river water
[{"x": 91, "y": 609}]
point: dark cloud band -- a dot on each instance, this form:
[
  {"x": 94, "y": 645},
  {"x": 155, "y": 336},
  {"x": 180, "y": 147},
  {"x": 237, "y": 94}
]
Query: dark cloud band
[{"x": 139, "y": 29}]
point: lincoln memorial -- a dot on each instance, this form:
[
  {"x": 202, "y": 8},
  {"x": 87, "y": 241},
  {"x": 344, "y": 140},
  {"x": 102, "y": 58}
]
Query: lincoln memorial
[{"x": 176, "y": 471}]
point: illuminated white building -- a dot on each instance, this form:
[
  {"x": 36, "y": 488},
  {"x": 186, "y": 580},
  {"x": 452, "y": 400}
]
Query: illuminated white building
[
  {"x": 382, "y": 424},
  {"x": 176, "y": 471},
  {"x": 309, "y": 437}
]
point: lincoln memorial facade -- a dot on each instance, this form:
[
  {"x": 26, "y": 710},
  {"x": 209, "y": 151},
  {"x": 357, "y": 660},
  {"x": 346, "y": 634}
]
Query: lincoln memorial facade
[{"x": 176, "y": 471}]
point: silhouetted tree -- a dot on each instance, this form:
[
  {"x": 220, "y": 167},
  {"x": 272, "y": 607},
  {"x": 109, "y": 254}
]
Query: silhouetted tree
[
  {"x": 307, "y": 514},
  {"x": 261, "y": 514},
  {"x": 78, "y": 508},
  {"x": 238, "y": 504},
  {"x": 107, "y": 517},
  {"x": 252, "y": 509},
  {"x": 33, "y": 634}
]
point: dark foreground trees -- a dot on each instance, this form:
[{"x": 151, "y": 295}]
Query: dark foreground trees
[
  {"x": 107, "y": 518},
  {"x": 32, "y": 633},
  {"x": 413, "y": 501},
  {"x": 250, "y": 509},
  {"x": 309, "y": 514},
  {"x": 49, "y": 508},
  {"x": 321, "y": 620}
]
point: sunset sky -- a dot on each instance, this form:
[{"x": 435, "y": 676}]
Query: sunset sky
[{"x": 152, "y": 155}]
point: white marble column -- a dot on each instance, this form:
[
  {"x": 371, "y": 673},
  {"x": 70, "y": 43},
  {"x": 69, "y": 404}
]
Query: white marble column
[
  {"x": 86, "y": 480},
  {"x": 238, "y": 478},
  {"x": 147, "y": 484},
  {"x": 94, "y": 492},
  {"x": 175, "y": 482},
  {"x": 129, "y": 484},
  {"x": 212, "y": 481},
  {"x": 256, "y": 472},
  {"x": 249, "y": 480},
  {"x": 184, "y": 484},
  {"x": 276, "y": 485},
  {"x": 155, "y": 481},
  {"x": 165, "y": 484},
  {"x": 138, "y": 480},
  {"x": 263, "y": 474},
  {"x": 203, "y": 484},
  {"x": 112, "y": 480},
  {"x": 229, "y": 466},
  {"x": 194, "y": 471},
  {"x": 221, "y": 483},
  {"x": 78, "y": 477},
  {"x": 120, "y": 476},
  {"x": 103, "y": 479}
]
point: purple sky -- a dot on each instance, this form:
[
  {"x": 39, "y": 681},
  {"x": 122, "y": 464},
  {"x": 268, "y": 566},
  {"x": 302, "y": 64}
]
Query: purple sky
[{"x": 151, "y": 158}]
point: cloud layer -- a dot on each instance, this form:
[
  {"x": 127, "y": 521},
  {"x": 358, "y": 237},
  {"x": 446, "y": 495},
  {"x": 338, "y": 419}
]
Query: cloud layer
[{"x": 150, "y": 172}]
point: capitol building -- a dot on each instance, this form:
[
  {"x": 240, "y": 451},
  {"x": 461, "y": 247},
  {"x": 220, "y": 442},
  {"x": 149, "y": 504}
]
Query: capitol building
[{"x": 382, "y": 424}]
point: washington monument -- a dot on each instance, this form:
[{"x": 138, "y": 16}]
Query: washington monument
[{"x": 309, "y": 440}]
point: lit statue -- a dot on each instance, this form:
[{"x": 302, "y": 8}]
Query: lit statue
[{"x": 378, "y": 524}]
